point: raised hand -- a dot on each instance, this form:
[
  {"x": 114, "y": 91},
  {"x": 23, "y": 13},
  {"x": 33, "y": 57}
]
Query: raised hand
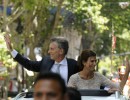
[{"x": 8, "y": 42}]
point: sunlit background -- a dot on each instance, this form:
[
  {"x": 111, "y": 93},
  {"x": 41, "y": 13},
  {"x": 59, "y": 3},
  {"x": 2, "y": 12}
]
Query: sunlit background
[{"x": 100, "y": 25}]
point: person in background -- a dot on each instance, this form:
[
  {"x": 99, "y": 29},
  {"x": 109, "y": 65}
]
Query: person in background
[
  {"x": 125, "y": 76},
  {"x": 56, "y": 62},
  {"x": 88, "y": 78},
  {"x": 49, "y": 86}
]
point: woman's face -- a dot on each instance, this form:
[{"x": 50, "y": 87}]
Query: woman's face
[{"x": 90, "y": 63}]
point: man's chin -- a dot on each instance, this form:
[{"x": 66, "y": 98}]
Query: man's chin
[{"x": 51, "y": 57}]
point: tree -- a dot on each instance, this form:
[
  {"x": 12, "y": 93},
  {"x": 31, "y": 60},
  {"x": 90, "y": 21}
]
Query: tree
[{"x": 31, "y": 23}]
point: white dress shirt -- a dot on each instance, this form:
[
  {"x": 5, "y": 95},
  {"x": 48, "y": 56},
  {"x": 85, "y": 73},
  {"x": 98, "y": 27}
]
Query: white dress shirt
[
  {"x": 63, "y": 69},
  {"x": 14, "y": 53},
  {"x": 63, "y": 66}
]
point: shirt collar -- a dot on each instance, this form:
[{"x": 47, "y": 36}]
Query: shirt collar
[{"x": 63, "y": 62}]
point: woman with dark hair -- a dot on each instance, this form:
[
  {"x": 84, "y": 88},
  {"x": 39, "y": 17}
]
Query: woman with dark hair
[{"x": 88, "y": 78}]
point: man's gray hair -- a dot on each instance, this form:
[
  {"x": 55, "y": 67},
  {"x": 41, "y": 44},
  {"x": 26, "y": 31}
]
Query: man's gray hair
[{"x": 62, "y": 43}]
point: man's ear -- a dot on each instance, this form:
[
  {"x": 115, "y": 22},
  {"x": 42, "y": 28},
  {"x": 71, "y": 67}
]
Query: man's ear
[{"x": 61, "y": 51}]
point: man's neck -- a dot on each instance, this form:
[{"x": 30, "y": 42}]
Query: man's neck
[{"x": 60, "y": 59}]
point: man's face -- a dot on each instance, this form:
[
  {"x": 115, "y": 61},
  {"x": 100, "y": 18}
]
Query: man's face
[
  {"x": 48, "y": 90},
  {"x": 54, "y": 51}
]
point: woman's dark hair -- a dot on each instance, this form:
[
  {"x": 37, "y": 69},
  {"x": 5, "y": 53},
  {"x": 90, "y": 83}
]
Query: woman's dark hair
[
  {"x": 73, "y": 94},
  {"x": 83, "y": 57}
]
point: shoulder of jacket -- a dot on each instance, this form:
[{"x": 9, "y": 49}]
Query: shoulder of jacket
[
  {"x": 47, "y": 58},
  {"x": 97, "y": 73},
  {"x": 70, "y": 59}
]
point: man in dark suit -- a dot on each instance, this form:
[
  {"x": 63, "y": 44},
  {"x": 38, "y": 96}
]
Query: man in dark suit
[{"x": 57, "y": 61}]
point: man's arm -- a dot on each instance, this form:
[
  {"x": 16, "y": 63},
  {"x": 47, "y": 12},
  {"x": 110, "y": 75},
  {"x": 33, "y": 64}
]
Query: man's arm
[
  {"x": 28, "y": 64},
  {"x": 8, "y": 42},
  {"x": 9, "y": 45}
]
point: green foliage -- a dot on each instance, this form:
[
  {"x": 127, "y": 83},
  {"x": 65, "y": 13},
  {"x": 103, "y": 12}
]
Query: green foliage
[
  {"x": 88, "y": 10},
  {"x": 5, "y": 57},
  {"x": 94, "y": 19},
  {"x": 101, "y": 18},
  {"x": 106, "y": 64},
  {"x": 120, "y": 19}
]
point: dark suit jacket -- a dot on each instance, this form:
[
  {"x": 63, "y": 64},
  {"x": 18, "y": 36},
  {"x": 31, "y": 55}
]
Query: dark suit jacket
[{"x": 45, "y": 64}]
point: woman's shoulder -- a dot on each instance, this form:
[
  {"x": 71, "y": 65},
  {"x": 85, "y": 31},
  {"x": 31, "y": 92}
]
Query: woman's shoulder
[
  {"x": 98, "y": 74},
  {"x": 75, "y": 75}
]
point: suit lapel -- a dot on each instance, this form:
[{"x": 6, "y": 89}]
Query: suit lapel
[
  {"x": 69, "y": 68},
  {"x": 47, "y": 64},
  {"x": 50, "y": 65}
]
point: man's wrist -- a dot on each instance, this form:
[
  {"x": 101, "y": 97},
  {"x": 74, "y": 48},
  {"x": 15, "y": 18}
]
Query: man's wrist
[
  {"x": 14, "y": 53},
  {"x": 10, "y": 48}
]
